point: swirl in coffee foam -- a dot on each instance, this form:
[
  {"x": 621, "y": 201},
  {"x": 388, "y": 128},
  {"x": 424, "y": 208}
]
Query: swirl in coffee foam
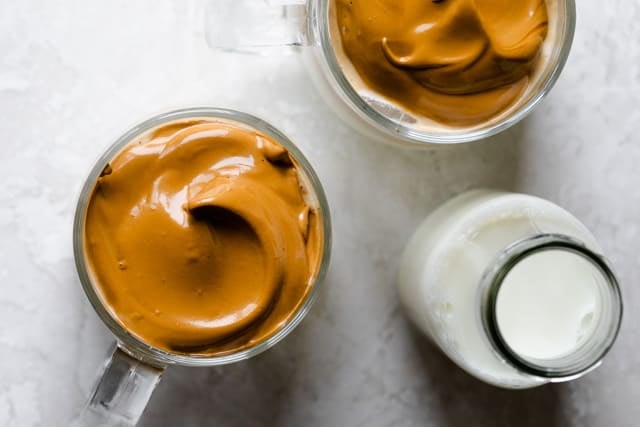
[
  {"x": 456, "y": 62},
  {"x": 200, "y": 238}
]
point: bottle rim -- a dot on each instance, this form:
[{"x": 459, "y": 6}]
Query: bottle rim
[{"x": 585, "y": 357}]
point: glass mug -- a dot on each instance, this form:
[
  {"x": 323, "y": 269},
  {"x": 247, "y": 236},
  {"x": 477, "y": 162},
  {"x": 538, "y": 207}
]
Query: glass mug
[
  {"x": 135, "y": 368},
  {"x": 258, "y": 26}
]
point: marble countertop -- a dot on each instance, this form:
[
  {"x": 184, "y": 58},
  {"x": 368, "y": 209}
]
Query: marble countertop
[{"x": 74, "y": 74}]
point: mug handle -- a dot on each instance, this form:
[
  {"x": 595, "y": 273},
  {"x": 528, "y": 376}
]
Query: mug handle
[
  {"x": 121, "y": 393},
  {"x": 253, "y": 26}
]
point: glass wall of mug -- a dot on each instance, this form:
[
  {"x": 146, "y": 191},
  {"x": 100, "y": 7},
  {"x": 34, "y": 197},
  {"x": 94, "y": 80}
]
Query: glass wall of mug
[{"x": 312, "y": 28}]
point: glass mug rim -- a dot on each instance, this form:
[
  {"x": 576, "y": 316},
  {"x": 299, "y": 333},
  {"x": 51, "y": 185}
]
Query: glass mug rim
[
  {"x": 319, "y": 26},
  {"x": 135, "y": 346}
]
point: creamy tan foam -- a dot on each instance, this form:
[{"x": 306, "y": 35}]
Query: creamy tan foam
[
  {"x": 200, "y": 237},
  {"x": 453, "y": 64}
]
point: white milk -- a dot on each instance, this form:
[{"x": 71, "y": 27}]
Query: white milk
[{"x": 547, "y": 306}]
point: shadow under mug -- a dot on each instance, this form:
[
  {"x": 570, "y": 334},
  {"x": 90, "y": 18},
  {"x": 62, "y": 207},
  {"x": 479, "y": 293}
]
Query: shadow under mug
[
  {"x": 131, "y": 374},
  {"x": 259, "y": 26}
]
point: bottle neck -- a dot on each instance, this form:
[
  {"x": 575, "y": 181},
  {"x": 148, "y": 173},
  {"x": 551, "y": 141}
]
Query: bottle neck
[{"x": 535, "y": 291}]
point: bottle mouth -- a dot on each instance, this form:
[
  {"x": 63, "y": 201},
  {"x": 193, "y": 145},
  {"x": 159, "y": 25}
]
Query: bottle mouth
[{"x": 551, "y": 307}]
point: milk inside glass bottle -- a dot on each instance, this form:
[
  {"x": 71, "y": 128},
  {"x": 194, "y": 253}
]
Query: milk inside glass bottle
[{"x": 512, "y": 288}]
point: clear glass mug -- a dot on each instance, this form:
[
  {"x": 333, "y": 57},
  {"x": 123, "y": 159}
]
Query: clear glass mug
[
  {"x": 135, "y": 368},
  {"x": 259, "y": 26}
]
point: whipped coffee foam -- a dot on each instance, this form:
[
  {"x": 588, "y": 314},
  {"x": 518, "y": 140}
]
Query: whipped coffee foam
[{"x": 419, "y": 114}]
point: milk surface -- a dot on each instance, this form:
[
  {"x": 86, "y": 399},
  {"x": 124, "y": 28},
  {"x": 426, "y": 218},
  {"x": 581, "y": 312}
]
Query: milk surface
[{"x": 549, "y": 305}]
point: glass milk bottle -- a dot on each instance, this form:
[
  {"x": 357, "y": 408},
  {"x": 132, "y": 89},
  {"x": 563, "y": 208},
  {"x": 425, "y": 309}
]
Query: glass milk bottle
[{"x": 512, "y": 288}]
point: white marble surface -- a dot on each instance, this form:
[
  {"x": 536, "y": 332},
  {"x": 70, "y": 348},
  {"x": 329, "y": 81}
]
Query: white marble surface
[{"x": 75, "y": 73}]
